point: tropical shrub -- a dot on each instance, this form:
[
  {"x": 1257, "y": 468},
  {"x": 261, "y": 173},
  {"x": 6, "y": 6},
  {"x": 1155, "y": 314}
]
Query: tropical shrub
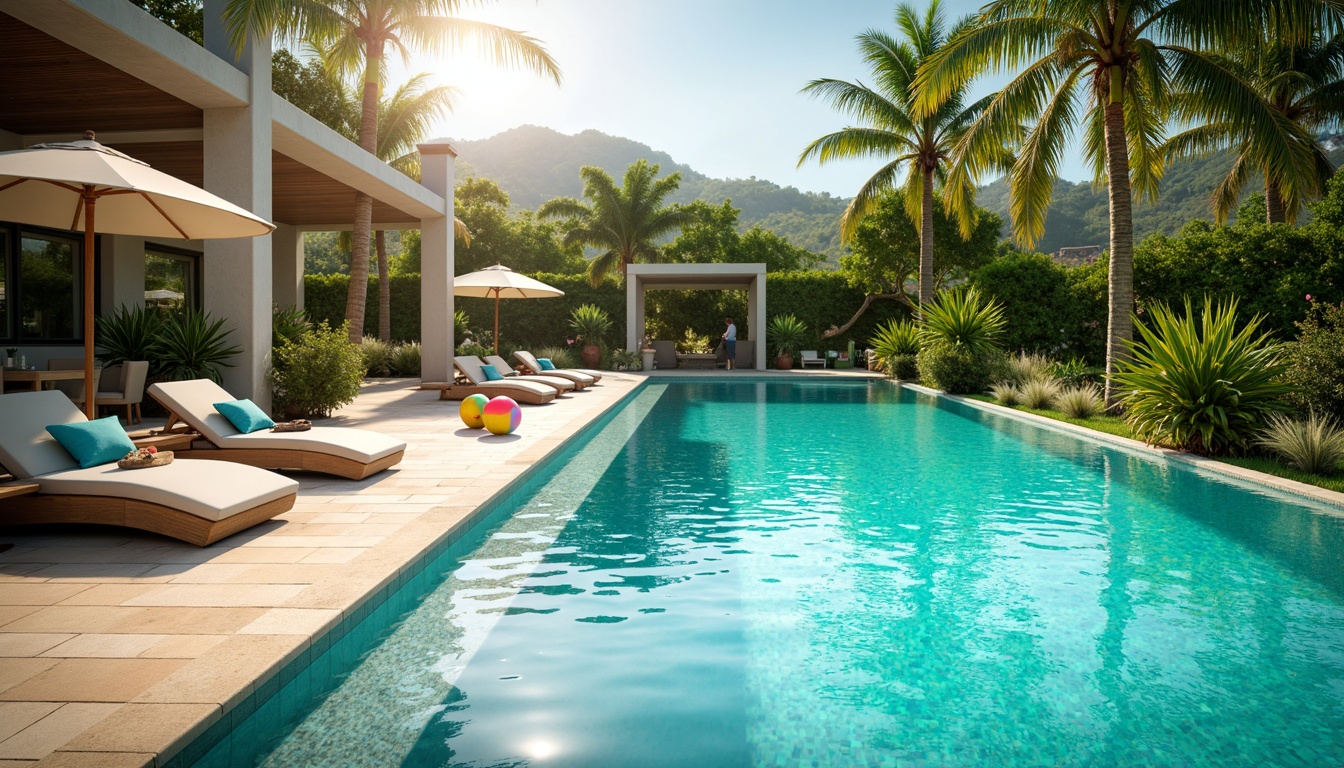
[
  {"x": 958, "y": 370},
  {"x": 1316, "y": 362},
  {"x": 590, "y": 323},
  {"x": 476, "y": 350},
  {"x": 376, "y": 357},
  {"x": 460, "y": 323},
  {"x": 1199, "y": 384},
  {"x": 316, "y": 374},
  {"x": 406, "y": 360},
  {"x": 1005, "y": 394},
  {"x": 1080, "y": 402},
  {"x": 288, "y": 325},
  {"x": 192, "y": 345},
  {"x": 129, "y": 333},
  {"x": 559, "y": 356},
  {"x": 1039, "y": 393},
  {"x": 786, "y": 333},
  {"x": 963, "y": 317},
  {"x": 896, "y": 343},
  {"x": 623, "y": 360},
  {"x": 1028, "y": 366},
  {"x": 1073, "y": 372},
  {"x": 1314, "y": 445}
]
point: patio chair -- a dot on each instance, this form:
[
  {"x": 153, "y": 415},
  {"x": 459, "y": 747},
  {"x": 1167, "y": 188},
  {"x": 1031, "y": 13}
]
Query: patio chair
[
  {"x": 193, "y": 501},
  {"x": 350, "y": 453},
  {"x": 502, "y": 365},
  {"x": 473, "y": 368},
  {"x": 812, "y": 360},
  {"x": 587, "y": 375},
  {"x": 527, "y": 392},
  {"x": 123, "y": 385}
]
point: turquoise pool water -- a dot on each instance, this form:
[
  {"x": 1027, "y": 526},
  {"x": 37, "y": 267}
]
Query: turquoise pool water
[{"x": 841, "y": 574}]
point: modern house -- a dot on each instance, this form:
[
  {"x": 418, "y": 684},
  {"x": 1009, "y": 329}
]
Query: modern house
[{"x": 209, "y": 117}]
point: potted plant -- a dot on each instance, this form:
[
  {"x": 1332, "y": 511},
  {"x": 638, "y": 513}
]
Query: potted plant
[
  {"x": 647, "y": 351},
  {"x": 590, "y": 323},
  {"x": 786, "y": 334}
]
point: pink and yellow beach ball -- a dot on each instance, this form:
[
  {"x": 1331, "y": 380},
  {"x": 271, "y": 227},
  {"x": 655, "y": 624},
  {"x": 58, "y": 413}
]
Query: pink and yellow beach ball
[
  {"x": 502, "y": 415},
  {"x": 472, "y": 409}
]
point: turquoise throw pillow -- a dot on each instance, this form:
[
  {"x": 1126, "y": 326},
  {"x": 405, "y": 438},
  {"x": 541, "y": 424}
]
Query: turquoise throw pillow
[
  {"x": 93, "y": 442},
  {"x": 546, "y": 364},
  {"x": 491, "y": 373},
  {"x": 245, "y": 416}
]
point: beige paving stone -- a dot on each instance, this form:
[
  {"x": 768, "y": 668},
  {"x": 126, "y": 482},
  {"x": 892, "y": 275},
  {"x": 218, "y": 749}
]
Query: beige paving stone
[
  {"x": 104, "y": 646},
  {"x": 97, "y": 573},
  {"x": 38, "y": 594},
  {"x": 17, "y": 671},
  {"x": 110, "y": 594},
  {"x": 90, "y": 680},
  {"x": 72, "y": 619},
  {"x": 201, "y": 573},
  {"x": 20, "y": 571},
  {"x": 297, "y": 573},
  {"x": 228, "y": 672},
  {"x": 183, "y": 646},
  {"x": 29, "y": 644},
  {"x": 334, "y": 555},
  {"x": 339, "y": 518},
  {"x": 179, "y": 620},
  {"x": 146, "y": 728},
  {"x": 57, "y": 728},
  {"x": 219, "y": 595},
  {"x": 96, "y": 760},
  {"x": 266, "y": 555},
  {"x": 293, "y": 621},
  {"x": 315, "y": 541},
  {"x": 17, "y": 715}
]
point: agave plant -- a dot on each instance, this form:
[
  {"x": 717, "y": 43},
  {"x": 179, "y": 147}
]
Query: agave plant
[
  {"x": 1198, "y": 383},
  {"x": 1040, "y": 393},
  {"x": 787, "y": 333},
  {"x": 1004, "y": 393},
  {"x": 194, "y": 346},
  {"x": 591, "y": 323},
  {"x": 895, "y": 344},
  {"x": 962, "y": 317},
  {"x": 288, "y": 325},
  {"x": 1315, "y": 445},
  {"x": 129, "y": 333},
  {"x": 1080, "y": 402}
]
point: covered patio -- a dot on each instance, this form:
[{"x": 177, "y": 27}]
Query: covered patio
[{"x": 642, "y": 278}]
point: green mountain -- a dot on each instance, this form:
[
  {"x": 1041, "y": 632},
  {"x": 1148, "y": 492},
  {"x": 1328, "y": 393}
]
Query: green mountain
[{"x": 537, "y": 164}]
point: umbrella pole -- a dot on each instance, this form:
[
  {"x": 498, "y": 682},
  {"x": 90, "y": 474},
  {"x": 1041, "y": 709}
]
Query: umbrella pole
[
  {"x": 90, "y": 407},
  {"x": 496, "y": 321}
]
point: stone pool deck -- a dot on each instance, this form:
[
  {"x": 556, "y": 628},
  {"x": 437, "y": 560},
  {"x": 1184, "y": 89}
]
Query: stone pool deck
[{"x": 117, "y": 648}]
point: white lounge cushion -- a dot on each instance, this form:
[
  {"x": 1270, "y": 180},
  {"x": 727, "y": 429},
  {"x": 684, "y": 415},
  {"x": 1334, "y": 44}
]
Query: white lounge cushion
[
  {"x": 471, "y": 365},
  {"x": 194, "y": 401},
  {"x": 530, "y": 360},
  {"x": 213, "y": 490},
  {"x": 361, "y": 445},
  {"x": 514, "y": 383},
  {"x": 26, "y": 449}
]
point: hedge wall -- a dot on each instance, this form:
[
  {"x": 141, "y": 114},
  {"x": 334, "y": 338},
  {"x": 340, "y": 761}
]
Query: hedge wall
[{"x": 819, "y": 299}]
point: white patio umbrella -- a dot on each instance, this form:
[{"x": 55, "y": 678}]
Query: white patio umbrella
[
  {"x": 502, "y": 283},
  {"x": 58, "y": 185}
]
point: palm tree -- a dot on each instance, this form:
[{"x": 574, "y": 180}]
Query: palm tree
[
  {"x": 1302, "y": 82},
  {"x": 918, "y": 142},
  {"x": 358, "y": 35},
  {"x": 624, "y": 221},
  {"x": 1122, "y": 59}
]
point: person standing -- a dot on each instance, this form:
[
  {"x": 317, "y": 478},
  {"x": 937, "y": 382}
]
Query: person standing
[{"x": 730, "y": 343}]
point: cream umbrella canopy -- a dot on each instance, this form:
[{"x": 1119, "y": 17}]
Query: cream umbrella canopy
[
  {"x": 59, "y": 185},
  {"x": 501, "y": 282}
]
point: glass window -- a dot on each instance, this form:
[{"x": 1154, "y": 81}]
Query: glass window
[
  {"x": 49, "y": 297},
  {"x": 170, "y": 280},
  {"x": 5, "y": 331}
]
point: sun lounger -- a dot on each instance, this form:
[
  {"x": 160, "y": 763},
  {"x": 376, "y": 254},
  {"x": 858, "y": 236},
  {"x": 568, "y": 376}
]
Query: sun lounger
[
  {"x": 530, "y": 362},
  {"x": 526, "y": 392},
  {"x": 341, "y": 451},
  {"x": 193, "y": 501},
  {"x": 472, "y": 368},
  {"x": 579, "y": 380}
]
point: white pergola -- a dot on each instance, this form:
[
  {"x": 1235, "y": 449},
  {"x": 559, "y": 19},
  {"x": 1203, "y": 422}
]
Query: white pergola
[{"x": 641, "y": 278}]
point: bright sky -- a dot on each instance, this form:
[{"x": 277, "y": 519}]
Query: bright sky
[{"x": 714, "y": 83}]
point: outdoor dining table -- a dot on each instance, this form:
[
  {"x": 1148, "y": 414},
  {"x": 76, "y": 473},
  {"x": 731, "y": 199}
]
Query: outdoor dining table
[{"x": 41, "y": 379}]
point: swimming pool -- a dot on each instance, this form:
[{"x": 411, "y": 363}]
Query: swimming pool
[{"x": 754, "y": 573}]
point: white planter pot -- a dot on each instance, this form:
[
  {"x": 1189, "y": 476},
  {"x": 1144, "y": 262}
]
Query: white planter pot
[{"x": 648, "y": 359}]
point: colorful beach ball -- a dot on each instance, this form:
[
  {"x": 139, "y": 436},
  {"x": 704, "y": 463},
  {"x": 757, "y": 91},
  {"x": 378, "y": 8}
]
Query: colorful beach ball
[
  {"x": 502, "y": 415},
  {"x": 471, "y": 410}
]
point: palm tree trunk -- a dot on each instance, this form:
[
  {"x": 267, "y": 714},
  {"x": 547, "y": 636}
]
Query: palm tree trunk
[
  {"x": 368, "y": 141},
  {"x": 384, "y": 289},
  {"x": 1120, "y": 323},
  {"x": 926, "y": 241},
  {"x": 1275, "y": 212}
]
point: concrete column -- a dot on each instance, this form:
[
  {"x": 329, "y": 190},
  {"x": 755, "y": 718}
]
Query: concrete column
[
  {"x": 287, "y": 266},
  {"x": 756, "y": 309},
  {"x": 634, "y": 312},
  {"x": 236, "y": 273},
  {"x": 123, "y": 272},
  {"x": 437, "y": 173}
]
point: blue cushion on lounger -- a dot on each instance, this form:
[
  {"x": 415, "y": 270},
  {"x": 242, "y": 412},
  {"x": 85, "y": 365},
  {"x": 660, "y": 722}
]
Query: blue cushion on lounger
[
  {"x": 93, "y": 442},
  {"x": 491, "y": 373},
  {"x": 546, "y": 364},
  {"x": 245, "y": 416}
]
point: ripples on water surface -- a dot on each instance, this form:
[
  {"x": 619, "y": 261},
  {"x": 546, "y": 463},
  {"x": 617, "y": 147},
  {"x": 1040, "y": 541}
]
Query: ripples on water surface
[{"x": 743, "y": 574}]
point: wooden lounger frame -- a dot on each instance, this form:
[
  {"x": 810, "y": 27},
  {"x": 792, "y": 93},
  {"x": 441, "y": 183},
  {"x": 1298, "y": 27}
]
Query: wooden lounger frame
[
  {"x": 455, "y": 391},
  {"x": 131, "y": 513},
  {"x": 282, "y": 458}
]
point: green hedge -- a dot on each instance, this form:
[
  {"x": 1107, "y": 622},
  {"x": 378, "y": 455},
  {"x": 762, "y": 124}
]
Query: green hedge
[{"x": 819, "y": 299}]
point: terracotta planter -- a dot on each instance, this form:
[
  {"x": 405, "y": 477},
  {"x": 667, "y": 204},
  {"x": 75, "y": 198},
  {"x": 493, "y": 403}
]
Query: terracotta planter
[
  {"x": 784, "y": 362},
  {"x": 592, "y": 356}
]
